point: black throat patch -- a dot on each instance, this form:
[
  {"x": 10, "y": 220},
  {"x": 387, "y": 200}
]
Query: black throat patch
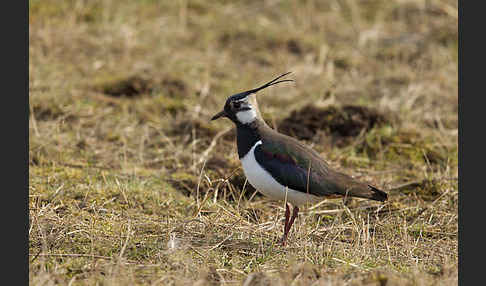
[{"x": 246, "y": 137}]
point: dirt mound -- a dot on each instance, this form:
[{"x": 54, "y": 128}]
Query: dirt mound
[
  {"x": 129, "y": 87},
  {"x": 341, "y": 123},
  {"x": 50, "y": 111},
  {"x": 136, "y": 85},
  {"x": 185, "y": 129},
  {"x": 174, "y": 87}
]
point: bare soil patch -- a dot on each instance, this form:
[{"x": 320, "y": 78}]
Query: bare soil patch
[{"x": 343, "y": 124}]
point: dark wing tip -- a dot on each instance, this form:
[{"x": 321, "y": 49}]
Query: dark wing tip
[{"x": 378, "y": 195}]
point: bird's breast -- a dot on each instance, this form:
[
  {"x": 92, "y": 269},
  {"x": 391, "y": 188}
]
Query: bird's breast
[{"x": 261, "y": 180}]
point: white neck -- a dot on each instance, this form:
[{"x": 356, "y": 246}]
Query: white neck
[{"x": 247, "y": 116}]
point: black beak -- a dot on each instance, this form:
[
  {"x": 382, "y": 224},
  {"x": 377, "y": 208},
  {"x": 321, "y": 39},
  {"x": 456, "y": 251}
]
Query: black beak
[{"x": 220, "y": 114}]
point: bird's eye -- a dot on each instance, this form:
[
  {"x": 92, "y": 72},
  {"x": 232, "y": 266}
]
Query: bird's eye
[{"x": 236, "y": 104}]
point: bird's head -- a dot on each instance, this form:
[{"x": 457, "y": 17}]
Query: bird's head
[{"x": 241, "y": 108}]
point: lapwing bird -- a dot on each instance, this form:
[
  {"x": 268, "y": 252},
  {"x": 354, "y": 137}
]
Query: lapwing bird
[{"x": 281, "y": 167}]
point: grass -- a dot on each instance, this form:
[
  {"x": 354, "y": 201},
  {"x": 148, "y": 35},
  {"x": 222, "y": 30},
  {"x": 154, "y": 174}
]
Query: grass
[{"x": 130, "y": 184}]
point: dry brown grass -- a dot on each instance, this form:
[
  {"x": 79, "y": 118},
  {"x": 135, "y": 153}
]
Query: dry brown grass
[{"x": 131, "y": 185}]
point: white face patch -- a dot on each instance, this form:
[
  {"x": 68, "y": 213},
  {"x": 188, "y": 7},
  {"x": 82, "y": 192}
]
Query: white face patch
[{"x": 246, "y": 116}]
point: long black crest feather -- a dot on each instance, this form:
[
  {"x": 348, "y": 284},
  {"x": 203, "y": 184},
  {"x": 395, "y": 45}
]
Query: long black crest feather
[{"x": 244, "y": 94}]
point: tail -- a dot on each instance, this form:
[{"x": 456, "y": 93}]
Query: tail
[
  {"x": 377, "y": 195},
  {"x": 347, "y": 186}
]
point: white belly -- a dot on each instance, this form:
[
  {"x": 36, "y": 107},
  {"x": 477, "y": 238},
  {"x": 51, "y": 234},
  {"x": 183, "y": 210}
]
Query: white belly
[{"x": 261, "y": 180}]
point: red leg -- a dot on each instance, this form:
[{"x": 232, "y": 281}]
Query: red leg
[
  {"x": 287, "y": 217},
  {"x": 294, "y": 215},
  {"x": 286, "y": 226}
]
